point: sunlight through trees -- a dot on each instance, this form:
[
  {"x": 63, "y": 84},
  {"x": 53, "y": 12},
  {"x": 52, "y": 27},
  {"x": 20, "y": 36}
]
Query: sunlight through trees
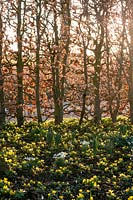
[{"x": 66, "y": 58}]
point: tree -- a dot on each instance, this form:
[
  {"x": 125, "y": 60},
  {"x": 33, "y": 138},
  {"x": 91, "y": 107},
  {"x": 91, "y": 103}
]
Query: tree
[
  {"x": 37, "y": 68},
  {"x": 130, "y": 96},
  {"x": 97, "y": 12},
  {"x": 65, "y": 42},
  {"x": 58, "y": 46},
  {"x": 20, "y": 30},
  {"x": 2, "y": 105},
  {"x": 85, "y": 39},
  {"x": 115, "y": 62},
  {"x": 67, "y": 57}
]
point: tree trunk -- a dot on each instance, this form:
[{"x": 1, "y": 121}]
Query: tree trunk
[
  {"x": 97, "y": 109},
  {"x": 131, "y": 62},
  {"x": 58, "y": 112},
  {"x": 2, "y": 107},
  {"x": 83, "y": 107},
  {"x": 58, "y": 107},
  {"x": 37, "y": 68},
  {"x": 58, "y": 104},
  {"x": 20, "y": 117},
  {"x": 86, "y": 85},
  {"x": 65, "y": 40}
]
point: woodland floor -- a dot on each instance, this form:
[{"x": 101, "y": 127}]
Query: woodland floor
[{"x": 90, "y": 162}]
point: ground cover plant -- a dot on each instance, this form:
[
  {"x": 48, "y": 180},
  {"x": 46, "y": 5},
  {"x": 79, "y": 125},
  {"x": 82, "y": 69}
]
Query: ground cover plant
[{"x": 67, "y": 161}]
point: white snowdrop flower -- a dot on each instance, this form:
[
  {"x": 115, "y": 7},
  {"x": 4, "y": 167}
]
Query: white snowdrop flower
[
  {"x": 29, "y": 158},
  {"x": 60, "y": 155},
  {"x": 84, "y": 142}
]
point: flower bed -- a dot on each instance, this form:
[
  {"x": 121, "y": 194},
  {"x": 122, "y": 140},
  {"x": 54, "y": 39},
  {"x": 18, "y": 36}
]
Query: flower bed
[{"x": 91, "y": 162}]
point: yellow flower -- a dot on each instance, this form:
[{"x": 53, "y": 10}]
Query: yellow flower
[
  {"x": 111, "y": 193},
  {"x": 5, "y": 180},
  {"x": 114, "y": 182},
  {"x": 106, "y": 169},
  {"x": 91, "y": 198},
  {"x": 122, "y": 175},
  {"x": 60, "y": 197},
  {"x": 80, "y": 196},
  {"x": 53, "y": 191},
  {"x": 5, "y": 187},
  {"x": 85, "y": 181},
  {"x": 127, "y": 190},
  {"x": 94, "y": 184},
  {"x": 12, "y": 192},
  {"x": 11, "y": 152},
  {"x": 10, "y": 160},
  {"x": 130, "y": 198}
]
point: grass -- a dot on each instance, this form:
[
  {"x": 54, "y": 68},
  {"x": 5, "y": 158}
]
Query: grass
[{"x": 90, "y": 162}]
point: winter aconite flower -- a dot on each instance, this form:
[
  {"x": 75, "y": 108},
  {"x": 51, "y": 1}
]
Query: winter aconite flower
[
  {"x": 130, "y": 198},
  {"x": 80, "y": 196},
  {"x": 61, "y": 197},
  {"x": 53, "y": 191}
]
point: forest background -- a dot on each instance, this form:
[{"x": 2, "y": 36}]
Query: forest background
[{"x": 66, "y": 58}]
